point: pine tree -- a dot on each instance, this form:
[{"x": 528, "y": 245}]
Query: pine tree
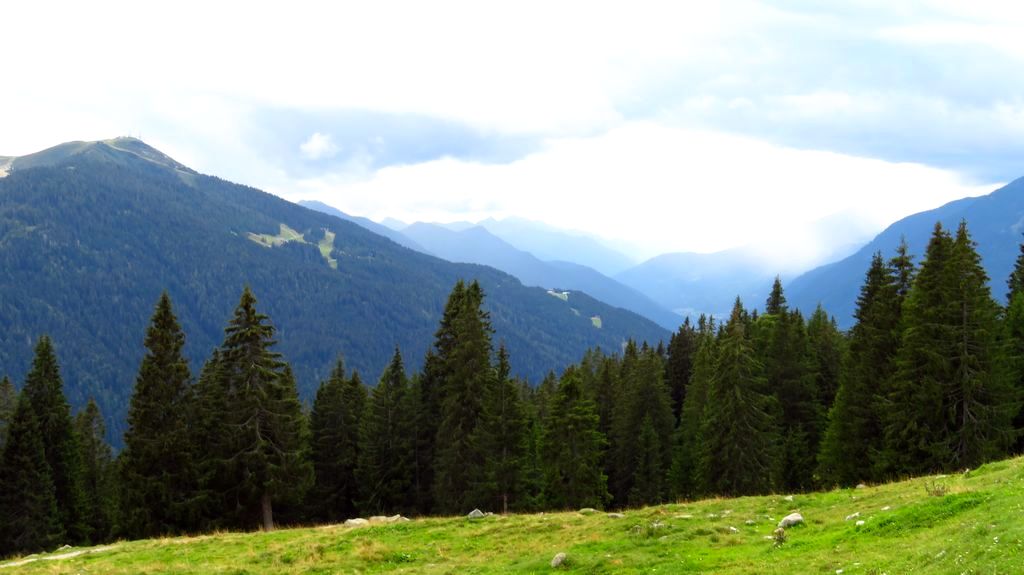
[
  {"x": 687, "y": 440},
  {"x": 1014, "y": 328},
  {"x": 571, "y": 449},
  {"x": 826, "y": 347},
  {"x": 262, "y": 454},
  {"x": 739, "y": 434},
  {"x": 98, "y": 473},
  {"x": 681, "y": 348},
  {"x": 28, "y": 500},
  {"x": 648, "y": 478},
  {"x": 158, "y": 476},
  {"x": 44, "y": 391},
  {"x": 776, "y": 302},
  {"x": 459, "y": 461},
  {"x": 385, "y": 469},
  {"x": 853, "y": 436},
  {"x": 334, "y": 428},
  {"x": 8, "y": 403},
  {"x": 949, "y": 406},
  {"x": 503, "y": 440}
]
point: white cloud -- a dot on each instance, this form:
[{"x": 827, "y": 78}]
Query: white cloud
[
  {"x": 664, "y": 189},
  {"x": 318, "y": 146}
]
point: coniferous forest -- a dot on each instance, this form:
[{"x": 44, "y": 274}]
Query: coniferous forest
[{"x": 928, "y": 379}]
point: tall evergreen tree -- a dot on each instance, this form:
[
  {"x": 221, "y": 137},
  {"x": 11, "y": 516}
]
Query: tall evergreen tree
[
  {"x": 158, "y": 476},
  {"x": 459, "y": 460},
  {"x": 776, "y": 302},
  {"x": 99, "y": 478},
  {"x": 1014, "y": 328},
  {"x": 681, "y": 348},
  {"x": 28, "y": 500},
  {"x": 262, "y": 454},
  {"x": 8, "y": 403},
  {"x": 503, "y": 440},
  {"x": 334, "y": 429},
  {"x": 385, "y": 469},
  {"x": 571, "y": 449},
  {"x": 949, "y": 406},
  {"x": 688, "y": 441},
  {"x": 44, "y": 391},
  {"x": 826, "y": 346},
  {"x": 853, "y": 436},
  {"x": 739, "y": 434}
]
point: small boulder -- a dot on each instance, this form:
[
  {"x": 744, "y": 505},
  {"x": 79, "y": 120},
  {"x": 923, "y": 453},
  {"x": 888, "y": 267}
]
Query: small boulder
[
  {"x": 861, "y": 486},
  {"x": 788, "y": 498},
  {"x": 476, "y": 514},
  {"x": 852, "y": 516},
  {"x": 588, "y": 511},
  {"x": 558, "y": 560},
  {"x": 791, "y": 520},
  {"x": 396, "y": 519},
  {"x": 356, "y": 522},
  {"x": 733, "y": 530},
  {"x": 616, "y": 516},
  {"x": 750, "y": 522},
  {"x": 378, "y": 519},
  {"x": 860, "y": 523}
]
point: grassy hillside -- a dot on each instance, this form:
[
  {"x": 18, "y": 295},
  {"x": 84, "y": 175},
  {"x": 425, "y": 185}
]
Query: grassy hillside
[{"x": 966, "y": 523}]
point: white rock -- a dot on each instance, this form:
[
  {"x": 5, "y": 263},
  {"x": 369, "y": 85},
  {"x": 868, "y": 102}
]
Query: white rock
[
  {"x": 788, "y": 498},
  {"x": 791, "y": 520},
  {"x": 616, "y": 516},
  {"x": 860, "y": 523},
  {"x": 861, "y": 486},
  {"x": 378, "y": 519},
  {"x": 557, "y": 560},
  {"x": 886, "y": 508},
  {"x": 588, "y": 511},
  {"x": 852, "y": 516},
  {"x": 733, "y": 529},
  {"x": 476, "y": 514},
  {"x": 356, "y": 522},
  {"x": 750, "y": 522}
]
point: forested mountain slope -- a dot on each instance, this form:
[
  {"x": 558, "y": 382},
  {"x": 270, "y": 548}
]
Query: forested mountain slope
[
  {"x": 91, "y": 233},
  {"x": 996, "y": 222}
]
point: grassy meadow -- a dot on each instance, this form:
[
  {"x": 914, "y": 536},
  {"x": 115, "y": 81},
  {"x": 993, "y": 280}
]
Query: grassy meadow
[{"x": 971, "y": 522}]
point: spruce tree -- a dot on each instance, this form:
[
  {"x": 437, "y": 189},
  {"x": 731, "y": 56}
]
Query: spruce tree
[
  {"x": 649, "y": 472},
  {"x": 158, "y": 476},
  {"x": 262, "y": 454},
  {"x": 384, "y": 468},
  {"x": 459, "y": 461},
  {"x": 44, "y": 391},
  {"x": 740, "y": 436},
  {"x": 825, "y": 346},
  {"x": 503, "y": 440},
  {"x": 682, "y": 347},
  {"x": 28, "y": 500},
  {"x": 1014, "y": 333},
  {"x": 687, "y": 442},
  {"x": 571, "y": 449},
  {"x": 334, "y": 429},
  {"x": 99, "y": 478},
  {"x": 8, "y": 403},
  {"x": 776, "y": 302},
  {"x": 853, "y": 435},
  {"x": 949, "y": 404}
]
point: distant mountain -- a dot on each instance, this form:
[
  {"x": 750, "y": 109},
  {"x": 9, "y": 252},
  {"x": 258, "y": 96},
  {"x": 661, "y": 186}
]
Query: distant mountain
[
  {"x": 91, "y": 233},
  {"x": 478, "y": 245},
  {"x": 553, "y": 244},
  {"x": 995, "y": 221},
  {"x": 690, "y": 284},
  {"x": 379, "y": 229}
]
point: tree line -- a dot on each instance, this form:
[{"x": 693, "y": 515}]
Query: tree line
[{"x": 928, "y": 379}]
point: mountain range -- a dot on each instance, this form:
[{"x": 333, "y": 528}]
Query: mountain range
[
  {"x": 92, "y": 232},
  {"x": 996, "y": 222}
]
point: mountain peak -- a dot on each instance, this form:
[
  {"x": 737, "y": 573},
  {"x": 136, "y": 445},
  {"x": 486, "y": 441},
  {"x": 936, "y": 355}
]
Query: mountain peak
[{"x": 118, "y": 150}]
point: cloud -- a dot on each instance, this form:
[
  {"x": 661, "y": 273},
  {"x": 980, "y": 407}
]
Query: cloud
[
  {"x": 664, "y": 189},
  {"x": 318, "y": 146}
]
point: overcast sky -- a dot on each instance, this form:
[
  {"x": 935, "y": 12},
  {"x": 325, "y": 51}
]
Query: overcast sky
[{"x": 672, "y": 126}]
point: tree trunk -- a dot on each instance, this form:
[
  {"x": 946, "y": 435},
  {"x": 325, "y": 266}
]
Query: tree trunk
[{"x": 268, "y": 512}]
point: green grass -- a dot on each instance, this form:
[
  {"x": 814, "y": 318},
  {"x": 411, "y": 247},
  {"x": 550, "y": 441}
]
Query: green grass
[
  {"x": 977, "y": 526},
  {"x": 596, "y": 321},
  {"x": 287, "y": 234}
]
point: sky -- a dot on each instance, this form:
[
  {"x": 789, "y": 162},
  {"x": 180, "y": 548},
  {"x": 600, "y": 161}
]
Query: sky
[{"x": 795, "y": 127}]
